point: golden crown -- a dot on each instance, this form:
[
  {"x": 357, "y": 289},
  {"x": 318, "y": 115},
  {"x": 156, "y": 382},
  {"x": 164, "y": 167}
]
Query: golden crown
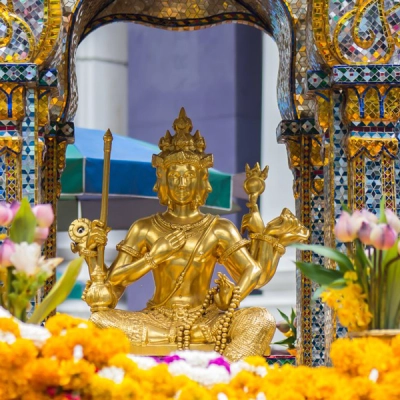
[{"x": 182, "y": 148}]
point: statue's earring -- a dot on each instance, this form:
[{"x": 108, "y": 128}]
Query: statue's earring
[{"x": 195, "y": 203}]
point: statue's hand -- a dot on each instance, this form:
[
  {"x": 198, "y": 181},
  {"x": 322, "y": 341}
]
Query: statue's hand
[
  {"x": 97, "y": 236},
  {"x": 225, "y": 292},
  {"x": 252, "y": 221},
  {"x": 167, "y": 245}
]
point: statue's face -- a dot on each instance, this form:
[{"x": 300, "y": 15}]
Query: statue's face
[{"x": 182, "y": 183}]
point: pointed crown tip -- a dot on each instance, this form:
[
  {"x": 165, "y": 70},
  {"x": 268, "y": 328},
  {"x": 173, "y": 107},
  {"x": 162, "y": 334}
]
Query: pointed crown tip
[{"x": 191, "y": 146}]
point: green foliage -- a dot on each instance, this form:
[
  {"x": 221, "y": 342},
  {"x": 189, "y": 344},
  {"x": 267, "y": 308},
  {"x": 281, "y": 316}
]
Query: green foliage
[
  {"x": 319, "y": 274},
  {"x": 290, "y": 341},
  {"x": 344, "y": 262},
  {"x": 377, "y": 271},
  {"x": 23, "y": 226},
  {"x": 23, "y": 289},
  {"x": 58, "y": 293},
  {"x": 391, "y": 264}
]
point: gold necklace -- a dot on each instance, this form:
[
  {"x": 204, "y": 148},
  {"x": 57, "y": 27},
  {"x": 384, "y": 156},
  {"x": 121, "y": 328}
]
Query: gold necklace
[{"x": 168, "y": 226}]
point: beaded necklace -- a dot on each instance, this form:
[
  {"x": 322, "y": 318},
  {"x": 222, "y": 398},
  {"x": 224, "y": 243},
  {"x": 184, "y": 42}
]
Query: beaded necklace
[
  {"x": 183, "y": 331},
  {"x": 189, "y": 229}
]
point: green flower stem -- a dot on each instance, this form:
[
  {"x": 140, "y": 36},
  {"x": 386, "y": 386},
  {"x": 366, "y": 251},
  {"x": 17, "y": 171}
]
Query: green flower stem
[
  {"x": 388, "y": 323},
  {"x": 380, "y": 298},
  {"x": 397, "y": 317},
  {"x": 9, "y": 287},
  {"x": 371, "y": 301}
]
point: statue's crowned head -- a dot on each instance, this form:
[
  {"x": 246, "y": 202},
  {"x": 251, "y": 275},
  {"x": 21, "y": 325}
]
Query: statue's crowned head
[{"x": 182, "y": 151}]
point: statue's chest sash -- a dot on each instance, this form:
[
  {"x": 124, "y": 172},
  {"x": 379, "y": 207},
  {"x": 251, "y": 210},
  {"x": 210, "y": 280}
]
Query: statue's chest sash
[{"x": 203, "y": 245}]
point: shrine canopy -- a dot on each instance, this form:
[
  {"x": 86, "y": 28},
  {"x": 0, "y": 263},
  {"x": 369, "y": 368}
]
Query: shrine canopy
[{"x": 131, "y": 172}]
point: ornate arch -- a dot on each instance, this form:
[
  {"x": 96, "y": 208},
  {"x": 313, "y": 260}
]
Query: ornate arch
[{"x": 271, "y": 16}]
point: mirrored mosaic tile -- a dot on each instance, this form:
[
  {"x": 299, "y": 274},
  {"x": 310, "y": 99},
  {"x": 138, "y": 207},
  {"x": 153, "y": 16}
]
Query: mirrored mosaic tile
[
  {"x": 20, "y": 46},
  {"x": 338, "y": 8},
  {"x": 397, "y": 180},
  {"x": 18, "y": 72},
  {"x": 318, "y": 80},
  {"x": 373, "y": 185},
  {"x": 3, "y": 169},
  {"x": 377, "y": 74},
  {"x": 357, "y": 44},
  {"x": 317, "y": 307},
  {"x": 28, "y": 166},
  {"x": 32, "y": 12},
  {"x": 48, "y": 78}
]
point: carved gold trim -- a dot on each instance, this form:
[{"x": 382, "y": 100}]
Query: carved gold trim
[
  {"x": 320, "y": 27},
  {"x": 52, "y": 26},
  {"x": 371, "y": 148}
]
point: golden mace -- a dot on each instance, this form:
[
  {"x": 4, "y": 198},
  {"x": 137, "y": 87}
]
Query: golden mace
[{"x": 107, "y": 138}]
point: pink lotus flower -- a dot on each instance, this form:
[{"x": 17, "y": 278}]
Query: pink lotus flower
[
  {"x": 7, "y": 249},
  {"x": 364, "y": 234},
  {"x": 14, "y": 207},
  {"x": 365, "y": 215},
  {"x": 346, "y": 228},
  {"x": 6, "y": 215},
  {"x": 44, "y": 215},
  {"x": 383, "y": 236},
  {"x": 392, "y": 220},
  {"x": 41, "y": 234}
]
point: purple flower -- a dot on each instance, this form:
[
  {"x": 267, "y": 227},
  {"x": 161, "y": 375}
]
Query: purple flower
[
  {"x": 221, "y": 362},
  {"x": 171, "y": 359}
]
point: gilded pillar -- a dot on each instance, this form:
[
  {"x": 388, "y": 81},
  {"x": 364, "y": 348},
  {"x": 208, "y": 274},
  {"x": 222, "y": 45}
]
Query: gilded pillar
[
  {"x": 303, "y": 142},
  {"x": 57, "y": 138}
]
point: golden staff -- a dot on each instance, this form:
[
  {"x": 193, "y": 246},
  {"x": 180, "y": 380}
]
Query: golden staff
[{"x": 107, "y": 138}]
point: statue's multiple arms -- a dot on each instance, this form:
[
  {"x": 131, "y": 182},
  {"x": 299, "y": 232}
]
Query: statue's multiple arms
[
  {"x": 268, "y": 242},
  {"x": 123, "y": 272},
  {"x": 237, "y": 260}
]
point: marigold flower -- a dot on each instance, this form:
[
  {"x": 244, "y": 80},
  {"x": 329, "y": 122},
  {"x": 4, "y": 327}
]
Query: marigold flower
[
  {"x": 23, "y": 351},
  {"x": 9, "y": 325},
  {"x": 256, "y": 361},
  {"x": 44, "y": 373},
  {"x": 61, "y": 322},
  {"x": 75, "y": 375}
]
